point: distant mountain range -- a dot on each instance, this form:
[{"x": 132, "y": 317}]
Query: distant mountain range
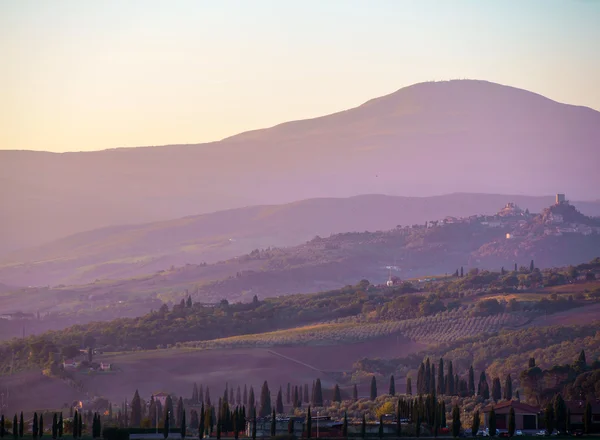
[
  {"x": 429, "y": 138},
  {"x": 133, "y": 250}
]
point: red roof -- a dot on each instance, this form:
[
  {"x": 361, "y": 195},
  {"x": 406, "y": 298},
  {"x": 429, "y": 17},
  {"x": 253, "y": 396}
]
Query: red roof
[{"x": 505, "y": 406}]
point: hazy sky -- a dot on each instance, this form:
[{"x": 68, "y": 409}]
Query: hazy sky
[{"x": 84, "y": 75}]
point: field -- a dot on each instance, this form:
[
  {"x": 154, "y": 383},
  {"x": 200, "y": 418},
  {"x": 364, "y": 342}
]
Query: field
[{"x": 579, "y": 316}]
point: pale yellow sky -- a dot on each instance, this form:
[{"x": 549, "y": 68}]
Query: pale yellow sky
[{"x": 88, "y": 76}]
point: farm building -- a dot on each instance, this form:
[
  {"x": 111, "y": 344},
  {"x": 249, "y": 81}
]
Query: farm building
[{"x": 526, "y": 416}]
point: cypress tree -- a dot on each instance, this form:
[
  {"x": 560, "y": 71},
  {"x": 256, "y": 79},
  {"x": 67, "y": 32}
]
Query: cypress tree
[
  {"x": 34, "y": 425},
  {"x": 560, "y": 413},
  {"x": 508, "y": 388},
  {"x": 337, "y": 395},
  {"x": 443, "y": 414},
  {"x": 80, "y": 427},
  {"x": 318, "y": 394},
  {"x": 380, "y": 426},
  {"x": 207, "y": 399},
  {"x": 392, "y": 390},
  {"x": 456, "y": 421},
  {"x": 409, "y": 386},
  {"x": 296, "y": 399},
  {"x": 231, "y": 400},
  {"x": 421, "y": 379},
  {"x": 41, "y": 426},
  {"x": 418, "y": 426},
  {"x": 61, "y": 425},
  {"x": 15, "y": 427},
  {"x": 587, "y": 418},
  {"x": 279, "y": 404},
  {"x": 288, "y": 394},
  {"x": 440, "y": 378},
  {"x": 219, "y": 429},
  {"x": 236, "y": 424},
  {"x": 462, "y": 273},
  {"x": 373, "y": 394},
  {"x": 291, "y": 426},
  {"x": 427, "y": 377},
  {"x": 253, "y": 423},
  {"x": 355, "y": 393},
  {"x": 306, "y": 396},
  {"x": 166, "y": 425},
  {"x": 581, "y": 362},
  {"x": 496, "y": 390},
  {"x": 450, "y": 381},
  {"x": 54, "y": 426},
  {"x": 136, "y": 409},
  {"x": 363, "y": 427},
  {"x": 21, "y": 425},
  {"x": 75, "y": 424},
  {"x": 345, "y": 425},
  {"x": 301, "y": 394},
  {"x": 202, "y": 423},
  {"x": 251, "y": 399},
  {"x": 475, "y": 424},
  {"x": 245, "y": 398},
  {"x": 511, "y": 422},
  {"x": 492, "y": 422},
  {"x": 194, "y": 393},
  {"x": 265, "y": 400},
  {"x": 183, "y": 425},
  {"x": 2, "y": 426},
  {"x": 273, "y": 424},
  {"x": 398, "y": 420},
  {"x": 308, "y": 422},
  {"x": 180, "y": 412}
]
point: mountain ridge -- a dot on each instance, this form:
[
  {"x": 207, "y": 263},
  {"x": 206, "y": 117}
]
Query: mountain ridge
[{"x": 485, "y": 137}]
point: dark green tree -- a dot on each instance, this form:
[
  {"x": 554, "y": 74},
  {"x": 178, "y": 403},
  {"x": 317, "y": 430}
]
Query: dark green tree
[
  {"x": 251, "y": 398},
  {"x": 398, "y": 420},
  {"x": 380, "y": 426},
  {"x": 183, "y": 426},
  {"x": 337, "y": 395},
  {"x": 455, "y": 420},
  {"x": 136, "y": 410},
  {"x": 373, "y": 394},
  {"x": 254, "y": 425},
  {"x": 392, "y": 388},
  {"x": 265, "y": 400},
  {"x": 180, "y": 412},
  {"x": 581, "y": 363},
  {"x": 61, "y": 425},
  {"x": 508, "y": 387},
  {"x": 279, "y": 403},
  {"x": 219, "y": 423},
  {"x": 34, "y": 425},
  {"x": 202, "y": 423},
  {"x": 418, "y": 426},
  {"x": 166, "y": 425},
  {"x": 345, "y": 425},
  {"x": 273, "y": 424},
  {"x": 409, "y": 386},
  {"x": 54, "y": 426},
  {"x": 21, "y": 425},
  {"x": 492, "y": 422},
  {"x": 560, "y": 413},
  {"x": 450, "y": 381},
  {"x": 440, "y": 378},
  {"x": 363, "y": 427},
  {"x": 462, "y": 272},
  {"x": 496, "y": 389},
  {"x": 443, "y": 415},
  {"x": 317, "y": 398},
  {"x": 587, "y": 418},
  {"x": 531, "y": 266},
  {"x": 549, "y": 418},
  {"x": 15, "y": 427},
  {"x": 291, "y": 426},
  {"x": 308, "y": 423},
  {"x": 41, "y": 426},
  {"x": 168, "y": 411},
  {"x": 475, "y": 424},
  {"x": 471, "y": 381},
  {"x": 2, "y": 426},
  {"x": 427, "y": 377},
  {"x": 511, "y": 422},
  {"x": 75, "y": 424}
]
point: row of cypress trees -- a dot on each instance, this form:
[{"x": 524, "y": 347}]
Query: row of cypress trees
[{"x": 57, "y": 430}]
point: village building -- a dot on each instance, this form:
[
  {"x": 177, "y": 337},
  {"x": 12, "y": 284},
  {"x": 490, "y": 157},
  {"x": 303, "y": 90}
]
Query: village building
[
  {"x": 160, "y": 397},
  {"x": 577, "y": 408},
  {"x": 526, "y": 416}
]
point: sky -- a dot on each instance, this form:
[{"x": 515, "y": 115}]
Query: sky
[{"x": 82, "y": 75}]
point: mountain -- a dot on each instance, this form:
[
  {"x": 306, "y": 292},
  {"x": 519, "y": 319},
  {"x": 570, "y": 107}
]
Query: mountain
[
  {"x": 133, "y": 250},
  {"x": 425, "y": 139}
]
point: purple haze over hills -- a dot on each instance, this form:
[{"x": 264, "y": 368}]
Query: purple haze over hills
[{"x": 426, "y": 139}]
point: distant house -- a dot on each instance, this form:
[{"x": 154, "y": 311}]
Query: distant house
[
  {"x": 105, "y": 366},
  {"x": 161, "y": 397},
  {"x": 577, "y": 408},
  {"x": 526, "y": 416},
  {"x": 71, "y": 364}
]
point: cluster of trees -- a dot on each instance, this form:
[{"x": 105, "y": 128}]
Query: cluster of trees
[
  {"x": 58, "y": 428},
  {"x": 450, "y": 384}
]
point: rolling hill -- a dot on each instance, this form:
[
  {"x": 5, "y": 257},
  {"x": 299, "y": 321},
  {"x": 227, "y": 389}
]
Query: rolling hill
[
  {"x": 484, "y": 137},
  {"x": 133, "y": 250}
]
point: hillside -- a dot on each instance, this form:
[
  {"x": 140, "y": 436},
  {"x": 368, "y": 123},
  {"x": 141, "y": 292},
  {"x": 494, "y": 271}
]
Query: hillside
[
  {"x": 484, "y": 137},
  {"x": 133, "y": 250}
]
